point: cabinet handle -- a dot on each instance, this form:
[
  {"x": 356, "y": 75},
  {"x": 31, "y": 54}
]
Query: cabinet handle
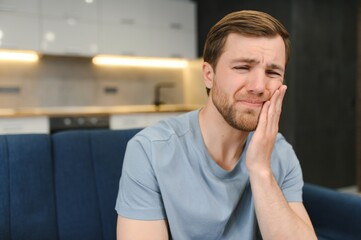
[
  {"x": 176, "y": 55},
  {"x": 127, "y": 21},
  {"x": 128, "y": 53},
  {"x": 176, "y": 26},
  {"x": 10, "y": 90},
  {"x": 7, "y": 9},
  {"x": 72, "y": 51}
]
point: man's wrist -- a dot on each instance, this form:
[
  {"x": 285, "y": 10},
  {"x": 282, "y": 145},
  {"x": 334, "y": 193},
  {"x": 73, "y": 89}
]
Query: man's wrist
[{"x": 261, "y": 174}]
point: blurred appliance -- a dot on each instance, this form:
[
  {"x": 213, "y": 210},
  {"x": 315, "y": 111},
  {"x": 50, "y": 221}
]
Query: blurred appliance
[{"x": 61, "y": 123}]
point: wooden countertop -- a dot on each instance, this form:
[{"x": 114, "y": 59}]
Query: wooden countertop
[{"x": 95, "y": 110}]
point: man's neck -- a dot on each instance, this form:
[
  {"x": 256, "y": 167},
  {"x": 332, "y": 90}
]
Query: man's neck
[{"x": 224, "y": 143}]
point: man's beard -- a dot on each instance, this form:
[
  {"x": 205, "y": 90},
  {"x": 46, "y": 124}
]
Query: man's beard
[{"x": 246, "y": 121}]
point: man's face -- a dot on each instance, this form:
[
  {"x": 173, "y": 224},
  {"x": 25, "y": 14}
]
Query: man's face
[{"x": 247, "y": 74}]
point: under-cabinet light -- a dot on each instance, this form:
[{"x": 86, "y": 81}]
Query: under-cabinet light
[
  {"x": 17, "y": 55},
  {"x": 140, "y": 62}
]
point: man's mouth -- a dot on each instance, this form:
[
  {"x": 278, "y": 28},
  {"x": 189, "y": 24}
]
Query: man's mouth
[{"x": 251, "y": 103}]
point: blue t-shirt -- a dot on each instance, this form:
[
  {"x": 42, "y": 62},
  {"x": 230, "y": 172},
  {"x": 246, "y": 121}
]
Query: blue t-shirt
[{"x": 169, "y": 174}]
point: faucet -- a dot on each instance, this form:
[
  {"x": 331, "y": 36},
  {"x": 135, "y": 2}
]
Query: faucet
[{"x": 157, "y": 92}]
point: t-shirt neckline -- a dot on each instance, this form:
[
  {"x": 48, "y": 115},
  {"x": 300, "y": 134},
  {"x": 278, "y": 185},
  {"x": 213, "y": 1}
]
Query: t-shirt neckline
[{"x": 212, "y": 165}]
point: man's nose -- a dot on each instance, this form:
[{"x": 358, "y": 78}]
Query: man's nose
[{"x": 256, "y": 82}]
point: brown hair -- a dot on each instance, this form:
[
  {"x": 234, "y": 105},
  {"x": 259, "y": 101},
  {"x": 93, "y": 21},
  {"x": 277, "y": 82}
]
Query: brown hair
[{"x": 247, "y": 23}]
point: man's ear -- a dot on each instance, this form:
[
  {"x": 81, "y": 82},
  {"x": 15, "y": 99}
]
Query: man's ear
[{"x": 208, "y": 75}]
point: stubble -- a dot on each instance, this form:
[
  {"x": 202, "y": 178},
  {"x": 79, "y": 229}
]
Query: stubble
[{"x": 244, "y": 121}]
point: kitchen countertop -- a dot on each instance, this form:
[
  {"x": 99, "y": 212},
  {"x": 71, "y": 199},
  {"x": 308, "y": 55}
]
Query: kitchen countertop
[{"x": 95, "y": 110}]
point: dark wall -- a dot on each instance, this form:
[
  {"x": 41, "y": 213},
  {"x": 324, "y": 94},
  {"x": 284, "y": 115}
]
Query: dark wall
[{"x": 319, "y": 111}]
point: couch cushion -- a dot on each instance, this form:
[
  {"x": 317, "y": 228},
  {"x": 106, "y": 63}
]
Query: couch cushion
[
  {"x": 88, "y": 166},
  {"x": 27, "y": 201},
  {"x": 334, "y": 215}
]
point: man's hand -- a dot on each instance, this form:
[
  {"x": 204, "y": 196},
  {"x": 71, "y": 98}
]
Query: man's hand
[
  {"x": 277, "y": 218},
  {"x": 262, "y": 143}
]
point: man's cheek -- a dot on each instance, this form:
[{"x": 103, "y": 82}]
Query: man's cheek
[{"x": 273, "y": 85}]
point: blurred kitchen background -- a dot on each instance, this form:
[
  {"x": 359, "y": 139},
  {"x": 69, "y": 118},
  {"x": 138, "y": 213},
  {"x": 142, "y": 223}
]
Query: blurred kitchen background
[{"x": 70, "y": 86}]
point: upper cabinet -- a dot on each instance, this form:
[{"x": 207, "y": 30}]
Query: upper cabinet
[
  {"x": 125, "y": 27},
  {"x": 69, "y": 27},
  {"x": 19, "y": 24},
  {"x": 156, "y": 28},
  {"x": 20, "y": 6},
  {"x": 173, "y": 28},
  {"x": 180, "y": 15}
]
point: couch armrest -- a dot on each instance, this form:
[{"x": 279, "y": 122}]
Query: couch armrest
[{"x": 335, "y": 215}]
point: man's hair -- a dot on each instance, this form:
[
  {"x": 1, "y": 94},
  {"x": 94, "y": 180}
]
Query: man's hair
[{"x": 247, "y": 23}]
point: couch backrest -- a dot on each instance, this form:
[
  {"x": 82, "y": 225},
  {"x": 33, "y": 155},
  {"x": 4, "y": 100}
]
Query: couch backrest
[
  {"x": 65, "y": 186},
  {"x": 334, "y": 215},
  {"x": 88, "y": 166},
  {"x": 27, "y": 203}
]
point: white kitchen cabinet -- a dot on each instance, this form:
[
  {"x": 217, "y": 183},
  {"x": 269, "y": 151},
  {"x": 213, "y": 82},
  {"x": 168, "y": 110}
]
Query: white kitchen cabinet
[
  {"x": 20, "y": 6},
  {"x": 85, "y": 11},
  {"x": 174, "y": 28},
  {"x": 22, "y": 125},
  {"x": 19, "y": 31},
  {"x": 178, "y": 15},
  {"x": 155, "y": 28},
  {"x": 19, "y": 24},
  {"x": 69, "y": 27},
  {"x": 125, "y": 27},
  {"x": 125, "y": 40},
  {"x": 126, "y": 12},
  {"x": 173, "y": 43},
  {"x": 69, "y": 36},
  {"x": 138, "y": 120}
]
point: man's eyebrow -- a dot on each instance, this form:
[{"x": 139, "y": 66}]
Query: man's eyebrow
[
  {"x": 254, "y": 61},
  {"x": 276, "y": 66},
  {"x": 245, "y": 60}
]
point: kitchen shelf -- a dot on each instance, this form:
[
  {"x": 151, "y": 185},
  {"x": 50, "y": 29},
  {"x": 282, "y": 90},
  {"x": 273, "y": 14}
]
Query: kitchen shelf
[{"x": 95, "y": 110}]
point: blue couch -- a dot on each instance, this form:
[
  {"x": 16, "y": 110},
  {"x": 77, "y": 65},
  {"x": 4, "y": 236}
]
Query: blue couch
[{"x": 64, "y": 186}]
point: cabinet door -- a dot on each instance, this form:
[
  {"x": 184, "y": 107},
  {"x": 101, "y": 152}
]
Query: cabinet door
[
  {"x": 124, "y": 28},
  {"x": 22, "y": 125},
  {"x": 173, "y": 14},
  {"x": 173, "y": 43},
  {"x": 69, "y": 27},
  {"x": 86, "y": 11},
  {"x": 19, "y": 31},
  {"x": 128, "y": 12},
  {"x": 69, "y": 37},
  {"x": 174, "y": 28},
  {"x": 125, "y": 40},
  {"x": 20, "y": 6},
  {"x": 138, "y": 120}
]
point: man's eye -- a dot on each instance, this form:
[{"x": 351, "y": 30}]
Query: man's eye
[
  {"x": 241, "y": 67},
  {"x": 273, "y": 73}
]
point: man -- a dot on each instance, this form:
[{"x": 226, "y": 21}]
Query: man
[{"x": 221, "y": 172}]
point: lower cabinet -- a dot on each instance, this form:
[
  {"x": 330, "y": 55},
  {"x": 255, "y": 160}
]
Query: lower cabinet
[
  {"x": 21, "y": 125},
  {"x": 138, "y": 120}
]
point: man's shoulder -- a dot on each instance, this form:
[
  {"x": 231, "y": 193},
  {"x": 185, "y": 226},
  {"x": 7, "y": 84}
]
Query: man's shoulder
[
  {"x": 169, "y": 127},
  {"x": 281, "y": 141},
  {"x": 282, "y": 147}
]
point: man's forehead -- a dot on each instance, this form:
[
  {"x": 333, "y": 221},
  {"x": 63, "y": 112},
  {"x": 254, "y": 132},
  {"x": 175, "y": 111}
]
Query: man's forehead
[{"x": 255, "y": 49}]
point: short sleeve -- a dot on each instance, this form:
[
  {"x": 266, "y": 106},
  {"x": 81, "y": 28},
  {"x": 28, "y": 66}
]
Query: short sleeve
[
  {"x": 139, "y": 195},
  {"x": 293, "y": 183},
  {"x": 291, "y": 180}
]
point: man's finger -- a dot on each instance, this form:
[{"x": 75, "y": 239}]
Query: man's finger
[
  {"x": 274, "y": 111},
  {"x": 263, "y": 117}
]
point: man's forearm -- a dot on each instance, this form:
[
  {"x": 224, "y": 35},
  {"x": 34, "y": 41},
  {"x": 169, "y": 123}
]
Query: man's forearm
[{"x": 277, "y": 220}]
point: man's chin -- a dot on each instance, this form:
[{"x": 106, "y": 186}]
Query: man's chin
[{"x": 246, "y": 125}]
